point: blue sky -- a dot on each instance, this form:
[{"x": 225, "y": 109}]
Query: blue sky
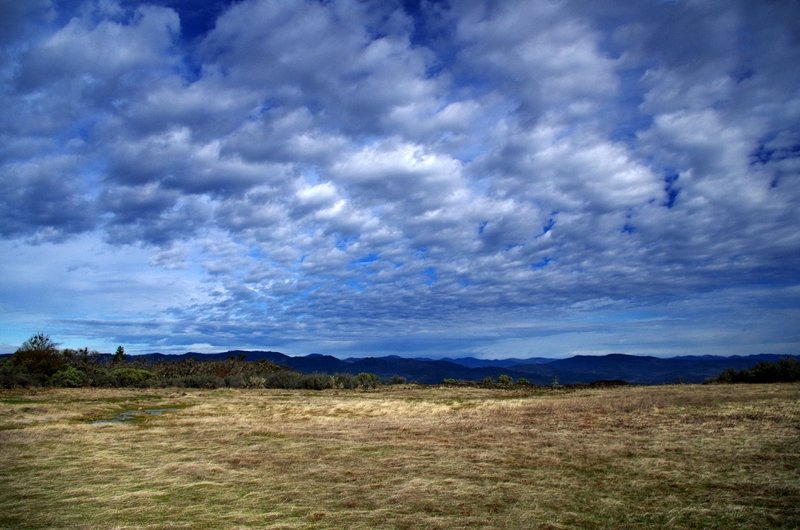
[{"x": 418, "y": 178}]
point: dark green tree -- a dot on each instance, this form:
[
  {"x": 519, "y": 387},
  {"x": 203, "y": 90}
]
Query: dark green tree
[{"x": 119, "y": 356}]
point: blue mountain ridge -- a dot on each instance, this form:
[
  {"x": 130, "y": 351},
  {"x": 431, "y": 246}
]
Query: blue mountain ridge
[{"x": 635, "y": 369}]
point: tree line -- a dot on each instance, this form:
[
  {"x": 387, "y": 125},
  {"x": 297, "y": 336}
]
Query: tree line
[
  {"x": 786, "y": 370},
  {"x": 39, "y": 362}
]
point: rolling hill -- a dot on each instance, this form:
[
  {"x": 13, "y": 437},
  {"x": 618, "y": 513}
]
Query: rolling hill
[{"x": 573, "y": 370}]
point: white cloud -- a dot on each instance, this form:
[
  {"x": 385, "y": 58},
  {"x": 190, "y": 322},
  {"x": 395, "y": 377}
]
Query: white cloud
[
  {"x": 90, "y": 56},
  {"x": 395, "y": 171},
  {"x": 353, "y": 172}
]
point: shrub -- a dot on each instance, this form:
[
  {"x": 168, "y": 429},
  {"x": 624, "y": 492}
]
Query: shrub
[
  {"x": 345, "y": 380},
  {"x": 607, "y": 383},
  {"x": 235, "y": 381},
  {"x": 255, "y": 381},
  {"x": 367, "y": 380},
  {"x": 203, "y": 381},
  {"x": 449, "y": 381},
  {"x": 167, "y": 382},
  {"x": 283, "y": 379},
  {"x": 99, "y": 377},
  {"x": 12, "y": 376},
  {"x": 316, "y": 381},
  {"x": 504, "y": 380},
  {"x": 263, "y": 367},
  {"x": 131, "y": 376},
  {"x": 69, "y": 377},
  {"x": 523, "y": 382}
]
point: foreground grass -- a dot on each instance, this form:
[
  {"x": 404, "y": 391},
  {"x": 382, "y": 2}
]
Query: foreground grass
[{"x": 673, "y": 456}]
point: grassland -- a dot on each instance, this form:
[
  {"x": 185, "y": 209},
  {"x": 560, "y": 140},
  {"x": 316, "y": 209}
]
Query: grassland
[{"x": 403, "y": 457}]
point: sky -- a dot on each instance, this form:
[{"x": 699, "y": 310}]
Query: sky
[{"x": 495, "y": 179}]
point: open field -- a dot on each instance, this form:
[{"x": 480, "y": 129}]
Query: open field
[{"x": 403, "y": 457}]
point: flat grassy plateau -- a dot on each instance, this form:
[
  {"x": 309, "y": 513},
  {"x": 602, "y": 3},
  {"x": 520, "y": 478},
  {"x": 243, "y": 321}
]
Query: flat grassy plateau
[{"x": 681, "y": 456}]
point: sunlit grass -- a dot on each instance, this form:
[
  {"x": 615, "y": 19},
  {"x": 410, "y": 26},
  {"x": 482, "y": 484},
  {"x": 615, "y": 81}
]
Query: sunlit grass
[{"x": 412, "y": 457}]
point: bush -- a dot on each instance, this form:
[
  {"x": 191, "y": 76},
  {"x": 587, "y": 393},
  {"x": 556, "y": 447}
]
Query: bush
[
  {"x": 131, "y": 376},
  {"x": 12, "y": 376},
  {"x": 69, "y": 377},
  {"x": 203, "y": 381},
  {"x": 255, "y": 381},
  {"x": 607, "y": 383},
  {"x": 345, "y": 380},
  {"x": 316, "y": 381},
  {"x": 367, "y": 380},
  {"x": 235, "y": 381},
  {"x": 282, "y": 379},
  {"x": 99, "y": 377}
]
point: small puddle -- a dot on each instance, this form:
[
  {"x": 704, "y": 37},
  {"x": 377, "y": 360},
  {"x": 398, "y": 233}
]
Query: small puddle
[{"x": 133, "y": 414}]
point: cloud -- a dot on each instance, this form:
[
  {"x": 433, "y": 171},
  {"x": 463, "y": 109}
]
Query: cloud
[
  {"x": 97, "y": 53},
  {"x": 345, "y": 59},
  {"x": 548, "y": 57},
  {"x": 40, "y": 202},
  {"x": 318, "y": 174}
]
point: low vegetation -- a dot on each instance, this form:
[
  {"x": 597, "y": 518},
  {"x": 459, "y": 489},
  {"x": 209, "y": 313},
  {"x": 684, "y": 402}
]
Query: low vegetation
[{"x": 684, "y": 456}]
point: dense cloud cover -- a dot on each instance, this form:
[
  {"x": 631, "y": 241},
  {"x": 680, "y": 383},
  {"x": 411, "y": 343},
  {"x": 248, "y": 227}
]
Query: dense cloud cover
[{"x": 487, "y": 178}]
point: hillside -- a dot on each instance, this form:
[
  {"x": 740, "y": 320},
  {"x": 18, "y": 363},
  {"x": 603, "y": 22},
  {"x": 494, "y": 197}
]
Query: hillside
[{"x": 573, "y": 370}]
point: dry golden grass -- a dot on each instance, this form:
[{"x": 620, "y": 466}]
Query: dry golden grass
[{"x": 411, "y": 457}]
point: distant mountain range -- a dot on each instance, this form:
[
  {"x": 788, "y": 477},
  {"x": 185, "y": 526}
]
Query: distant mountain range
[{"x": 542, "y": 371}]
